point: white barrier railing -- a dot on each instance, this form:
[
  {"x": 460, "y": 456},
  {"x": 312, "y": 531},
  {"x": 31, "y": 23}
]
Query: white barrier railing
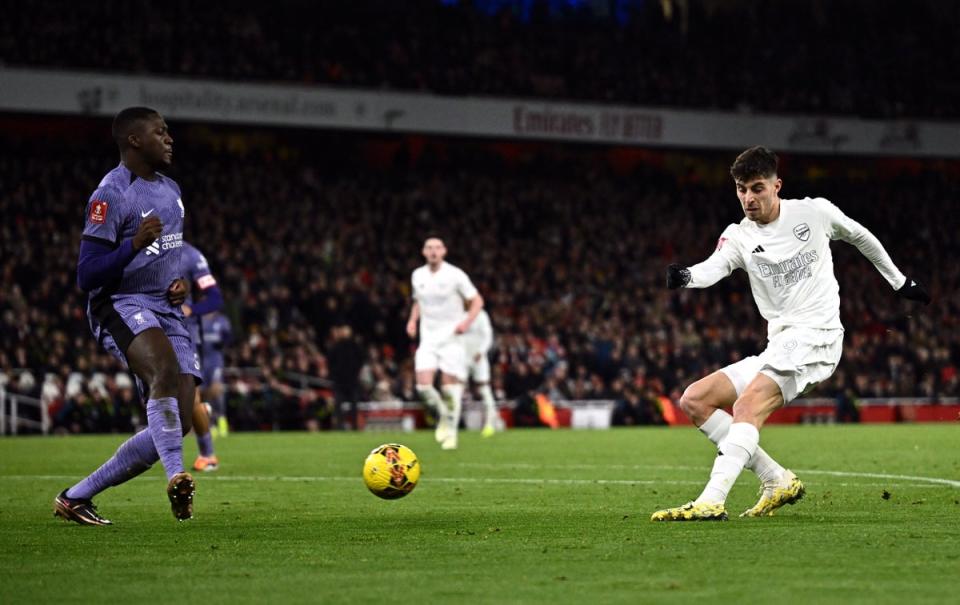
[{"x": 10, "y": 413}]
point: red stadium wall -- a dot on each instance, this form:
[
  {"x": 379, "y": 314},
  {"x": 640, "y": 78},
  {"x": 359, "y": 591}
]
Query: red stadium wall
[{"x": 874, "y": 413}]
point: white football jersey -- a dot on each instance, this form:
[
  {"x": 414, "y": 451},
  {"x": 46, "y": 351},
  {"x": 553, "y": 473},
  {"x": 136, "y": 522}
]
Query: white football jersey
[
  {"x": 441, "y": 295},
  {"x": 479, "y": 338},
  {"x": 790, "y": 265}
]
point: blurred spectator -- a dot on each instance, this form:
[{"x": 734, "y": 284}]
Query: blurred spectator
[
  {"x": 568, "y": 249},
  {"x": 636, "y": 407},
  {"x": 346, "y": 360}
]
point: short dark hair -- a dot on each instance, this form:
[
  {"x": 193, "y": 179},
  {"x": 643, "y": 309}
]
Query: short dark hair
[
  {"x": 125, "y": 120},
  {"x": 755, "y": 162}
]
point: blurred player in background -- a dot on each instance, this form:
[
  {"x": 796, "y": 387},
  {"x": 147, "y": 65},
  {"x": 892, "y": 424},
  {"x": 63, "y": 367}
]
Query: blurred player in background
[
  {"x": 478, "y": 340},
  {"x": 130, "y": 265},
  {"x": 204, "y": 297},
  {"x": 440, "y": 292},
  {"x": 784, "y": 246},
  {"x": 217, "y": 335}
]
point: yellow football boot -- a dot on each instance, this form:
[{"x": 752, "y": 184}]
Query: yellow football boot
[
  {"x": 692, "y": 511},
  {"x": 788, "y": 490}
]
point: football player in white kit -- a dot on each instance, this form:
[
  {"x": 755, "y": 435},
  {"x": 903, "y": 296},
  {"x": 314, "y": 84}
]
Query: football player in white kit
[
  {"x": 784, "y": 246},
  {"x": 478, "y": 340},
  {"x": 440, "y": 291}
]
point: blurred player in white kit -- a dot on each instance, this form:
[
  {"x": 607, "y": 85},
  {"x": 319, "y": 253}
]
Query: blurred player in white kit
[
  {"x": 440, "y": 292},
  {"x": 478, "y": 340}
]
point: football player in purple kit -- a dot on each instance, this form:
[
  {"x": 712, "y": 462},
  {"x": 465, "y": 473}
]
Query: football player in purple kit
[
  {"x": 217, "y": 334},
  {"x": 129, "y": 263},
  {"x": 204, "y": 297}
]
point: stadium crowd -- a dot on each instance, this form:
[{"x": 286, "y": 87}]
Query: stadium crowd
[
  {"x": 786, "y": 56},
  {"x": 568, "y": 251}
]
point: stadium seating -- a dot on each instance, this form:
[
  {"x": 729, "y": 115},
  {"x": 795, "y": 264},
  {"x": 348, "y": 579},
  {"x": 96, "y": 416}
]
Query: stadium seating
[
  {"x": 798, "y": 59},
  {"x": 568, "y": 247}
]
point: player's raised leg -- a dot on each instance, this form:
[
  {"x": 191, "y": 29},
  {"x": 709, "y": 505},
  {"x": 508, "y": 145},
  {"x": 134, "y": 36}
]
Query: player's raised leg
[
  {"x": 151, "y": 357},
  {"x": 134, "y": 456},
  {"x": 704, "y": 402},
  {"x": 761, "y": 397}
]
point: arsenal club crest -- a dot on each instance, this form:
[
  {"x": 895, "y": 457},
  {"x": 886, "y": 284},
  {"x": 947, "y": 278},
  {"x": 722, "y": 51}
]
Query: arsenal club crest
[{"x": 802, "y": 231}]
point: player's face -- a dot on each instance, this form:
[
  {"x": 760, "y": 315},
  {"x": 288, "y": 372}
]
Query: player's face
[
  {"x": 434, "y": 251},
  {"x": 156, "y": 144},
  {"x": 759, "y": 197}
]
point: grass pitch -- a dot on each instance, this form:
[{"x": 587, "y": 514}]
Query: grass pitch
[{"x": 527, "y": 516}]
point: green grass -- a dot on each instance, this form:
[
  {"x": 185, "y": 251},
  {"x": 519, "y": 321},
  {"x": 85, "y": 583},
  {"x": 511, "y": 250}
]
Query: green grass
[{"x": 528, "y": 516}]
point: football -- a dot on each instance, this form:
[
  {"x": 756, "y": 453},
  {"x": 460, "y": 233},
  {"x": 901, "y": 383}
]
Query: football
[{"x": 391, "y": 471}]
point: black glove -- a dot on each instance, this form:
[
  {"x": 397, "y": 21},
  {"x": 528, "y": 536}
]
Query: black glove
[
  {"x": 678, "y": 276},
  {"x": 914, "y": 290}
]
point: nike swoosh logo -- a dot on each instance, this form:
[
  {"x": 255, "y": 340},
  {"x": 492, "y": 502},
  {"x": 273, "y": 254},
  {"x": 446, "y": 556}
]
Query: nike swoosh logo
[
  {"x": 147, "y": 213},
  {"x": 168, "y": 430}
]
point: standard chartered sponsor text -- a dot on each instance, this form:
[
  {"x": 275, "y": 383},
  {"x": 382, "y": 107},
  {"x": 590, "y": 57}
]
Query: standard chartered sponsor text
[
  {"x": 210, "y": 100},
  {"x": 172, "y": 240}
]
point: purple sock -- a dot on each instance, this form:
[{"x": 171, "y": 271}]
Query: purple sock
[
  {"x": 205, "y": 445},
  {"x": 163, "y": 421},
  {"x": 134, "y": 456}
]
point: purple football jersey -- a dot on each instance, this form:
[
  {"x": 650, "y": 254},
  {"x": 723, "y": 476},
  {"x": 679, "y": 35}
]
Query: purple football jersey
[
  {"x": 114, "y": 213},
  {"x": 217, "y": 334},
  {"x": 195, "y": 269}
]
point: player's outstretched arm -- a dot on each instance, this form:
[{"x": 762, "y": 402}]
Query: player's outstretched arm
[
  {"x": 844, "y": 228},
  {"x": 721, "y": 263},
  {"x": 701, "y": 275}
]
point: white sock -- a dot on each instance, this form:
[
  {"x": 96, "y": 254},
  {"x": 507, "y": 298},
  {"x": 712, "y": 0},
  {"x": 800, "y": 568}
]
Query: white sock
[
  {"x": 766, "y": 468},
  {"x": 453, "y": 393},
  {"x": 430, "y": 396},
  {"x": 735, "y": 451},
  {"x": 486, "y": 393}
]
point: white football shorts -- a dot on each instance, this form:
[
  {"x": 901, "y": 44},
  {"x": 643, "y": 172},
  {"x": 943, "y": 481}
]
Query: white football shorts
[
  {"x": 797, "y": 359},
  {"x": 449, "y": 356}
]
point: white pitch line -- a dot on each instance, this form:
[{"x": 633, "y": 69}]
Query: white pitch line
[
  {"x": 527, "y": 466},
  {"x": 319, "y": 479},
  {"x": 929, "y": 481},
  {"x": 519, "y": 480},
  {"x": 935, "y": 480}
]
